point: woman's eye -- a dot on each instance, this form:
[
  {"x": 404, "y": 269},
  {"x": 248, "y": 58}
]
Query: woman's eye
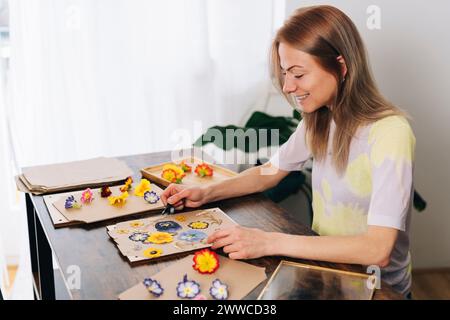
[{"x": 298, "y": 77}]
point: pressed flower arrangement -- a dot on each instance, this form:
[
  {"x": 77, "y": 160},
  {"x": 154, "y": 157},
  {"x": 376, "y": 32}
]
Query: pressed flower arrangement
[{"x": 206, "y": 262}]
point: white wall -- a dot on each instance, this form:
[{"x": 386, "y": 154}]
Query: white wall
[{"x": 410, "y": 60}]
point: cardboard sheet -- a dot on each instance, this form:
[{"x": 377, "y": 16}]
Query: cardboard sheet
[
  {"x": 99, "y": 209},
  {"x": 240, "y": 277},
  {"x": 186, "y": 236},
  {"x": 72, "y": 175}
]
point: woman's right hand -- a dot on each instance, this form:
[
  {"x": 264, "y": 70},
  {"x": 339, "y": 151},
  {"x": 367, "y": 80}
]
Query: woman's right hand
[{"x": 179, "y": 196}]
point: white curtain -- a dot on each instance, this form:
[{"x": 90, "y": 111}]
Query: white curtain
[{"x": 115, "y": 77}]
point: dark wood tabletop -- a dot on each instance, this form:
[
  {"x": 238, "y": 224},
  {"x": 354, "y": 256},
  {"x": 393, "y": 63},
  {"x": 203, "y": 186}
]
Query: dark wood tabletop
[{"x": 105, "y": 273}]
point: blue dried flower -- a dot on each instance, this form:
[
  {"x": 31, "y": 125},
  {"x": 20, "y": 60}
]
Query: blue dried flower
[
  {"x": 153, "y": 286},
  {"x": 219, "y": 290},
  {"x": 151, "y": 197},
  {"x": 71, "y": 203},
  {"x": 192, "y": 236},
  {"x": 138, "y": 237},
  {"x": 167, "y": 226},
  {"x": 188, "y": 289}
]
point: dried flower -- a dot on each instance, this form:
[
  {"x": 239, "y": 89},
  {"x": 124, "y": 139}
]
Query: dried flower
[
  {"x": 71, "y": 203},
  {"x": 167, "y": 226},
  {"x": 159, "y": 238},
  {"x": 87, "y": 196},
  {"x": 188, "y": 288},
  {"x": 152, "y": 253},
  {"x": 118, "y": 200},
  {"x": 142, "y": 188},
  {"x": 105, "y": 192},
  {"x": 204, "y": 170},
  {"x": 185, "y": 167},
  {"x": 198, "y": 225},
  {"x": 206, "y": 261},
  {"x": 153, "y": 286},
  {"x": 127, "y": 185},
  {"x": 172, "y": 173},
  {"x": 151, "y": 197},
  {"x": 219, "y": 290}
]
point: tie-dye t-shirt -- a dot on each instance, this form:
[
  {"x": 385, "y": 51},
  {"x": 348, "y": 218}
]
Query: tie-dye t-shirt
[{"x": 376, "y": 188}]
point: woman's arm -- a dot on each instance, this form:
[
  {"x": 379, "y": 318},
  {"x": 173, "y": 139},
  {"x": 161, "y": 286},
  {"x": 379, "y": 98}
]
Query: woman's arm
[
  {"x": 256, "y": 179},
  {"x": 372, "y": 248}
]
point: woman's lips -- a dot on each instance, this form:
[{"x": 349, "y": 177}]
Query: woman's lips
[
  {"x": 299, "y": 100},
  {"x": 302, "y": 97}
]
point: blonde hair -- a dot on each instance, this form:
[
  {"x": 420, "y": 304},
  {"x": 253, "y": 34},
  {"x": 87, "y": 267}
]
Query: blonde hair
[{"x": 327, "y": 33}]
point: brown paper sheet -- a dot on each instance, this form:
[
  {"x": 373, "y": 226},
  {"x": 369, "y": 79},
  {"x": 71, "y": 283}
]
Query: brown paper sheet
[
  {"x": 57, "y": 217},
  {"x": 240, "y": 277},
  {"x": 135, "y": 250},
  {"x": 100, "y": 209},
  {"x": 63, "y": 176}
]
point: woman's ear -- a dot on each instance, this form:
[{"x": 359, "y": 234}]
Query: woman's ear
[{"x": 343, "y": 66}]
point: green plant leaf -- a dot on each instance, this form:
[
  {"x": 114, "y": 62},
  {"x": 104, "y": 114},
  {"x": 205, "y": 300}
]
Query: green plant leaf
[
  {"x": 287, "y": 186},
  {"x": 261, "y": 130},
  {"x": 296, "y": 115},
  {"x": 419, "y": 203}
]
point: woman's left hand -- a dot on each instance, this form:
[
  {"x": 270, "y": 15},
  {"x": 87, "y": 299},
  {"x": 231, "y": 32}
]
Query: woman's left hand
[{"x": 242, "y": 243}]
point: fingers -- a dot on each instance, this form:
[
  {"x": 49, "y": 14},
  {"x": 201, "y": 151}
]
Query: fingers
[
  {"x": 168, "y": 192},
  {"x": 238, "y": 255},
  {"x": 234, "y": 247},
  {"x": 179, "y": 196},
  {"x": 218, "y": 234},
  {"x": 179, "y": 206},
  {"x": 225, "y": 241},
  {"x": 193, "y": 204}
]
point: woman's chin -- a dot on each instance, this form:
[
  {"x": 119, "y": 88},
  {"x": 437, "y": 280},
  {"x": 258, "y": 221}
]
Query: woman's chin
[
  {"x": 308, "y": 108},
  {"x": 305, "y": 109}
]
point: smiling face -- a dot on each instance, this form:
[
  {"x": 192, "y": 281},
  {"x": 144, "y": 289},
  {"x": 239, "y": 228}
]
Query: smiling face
[{"x": 310, "y": 86}]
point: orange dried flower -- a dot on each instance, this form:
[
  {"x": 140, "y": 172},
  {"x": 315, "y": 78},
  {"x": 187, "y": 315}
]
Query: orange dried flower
[{"x": 203, "y": 170}]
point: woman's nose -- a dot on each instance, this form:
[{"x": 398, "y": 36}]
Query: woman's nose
[{"x": 288, "y": 86}]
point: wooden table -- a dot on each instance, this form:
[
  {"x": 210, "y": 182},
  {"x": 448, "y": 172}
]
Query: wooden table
[{"x": 105, "y": 273}]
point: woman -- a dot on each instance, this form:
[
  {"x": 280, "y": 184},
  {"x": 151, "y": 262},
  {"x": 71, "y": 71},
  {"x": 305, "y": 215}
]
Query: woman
[{"x": 362, "y": 148}]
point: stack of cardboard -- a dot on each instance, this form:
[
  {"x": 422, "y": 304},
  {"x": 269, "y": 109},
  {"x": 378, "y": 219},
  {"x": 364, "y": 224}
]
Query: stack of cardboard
[{"x": 72, "y": 175}]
